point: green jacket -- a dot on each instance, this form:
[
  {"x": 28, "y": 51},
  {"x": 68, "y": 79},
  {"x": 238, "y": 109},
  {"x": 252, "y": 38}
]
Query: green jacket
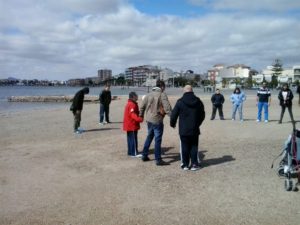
[{"x": 151, "y": 103}]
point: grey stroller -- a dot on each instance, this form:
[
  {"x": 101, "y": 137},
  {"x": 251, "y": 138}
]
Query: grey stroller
[{"x": 289, "y": 165}]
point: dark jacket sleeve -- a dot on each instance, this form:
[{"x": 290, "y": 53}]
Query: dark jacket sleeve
[
  {"x": 212, "y": 99},
  {"x": 280, "y": 97},
  {"x": 223, "y": 99},
  {"x": 174, "y": 115},
  {"x": 202, "y": 113}
]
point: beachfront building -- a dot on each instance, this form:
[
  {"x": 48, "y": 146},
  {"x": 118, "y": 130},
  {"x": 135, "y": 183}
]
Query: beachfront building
[
  {"x": 92, "y": 81},
  {"x": 104, "y": 74},
  {"x": 75, "y": 82},
  {"x": 139, "y": 74},
  {"x": 166, "y": 74},
  {"x": 288, "y": 75},
  {"x": 230, "y": 76}
]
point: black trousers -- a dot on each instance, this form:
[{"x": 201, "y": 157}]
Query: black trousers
[
  {"x": 189, "y": 149},
  {"x": 220, "y": 109},
  {"x": 283, "y": 107}
]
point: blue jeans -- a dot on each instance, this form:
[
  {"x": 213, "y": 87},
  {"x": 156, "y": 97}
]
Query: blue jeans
[
  {"x": 235, "y": 108},
  {"x": 154, "y": 130},
  {"x": 104, "y": 110},
  {"x": 132, "y": 143},
  {"x": 260, "y": 106}
]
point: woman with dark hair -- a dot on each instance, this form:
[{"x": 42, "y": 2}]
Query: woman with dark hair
[
  {"x": 285, "y": 97},
  {"x": 237, "y": 98}
]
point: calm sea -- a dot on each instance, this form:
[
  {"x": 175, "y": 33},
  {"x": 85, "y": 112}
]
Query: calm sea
[{"x": 7, "y": 91}]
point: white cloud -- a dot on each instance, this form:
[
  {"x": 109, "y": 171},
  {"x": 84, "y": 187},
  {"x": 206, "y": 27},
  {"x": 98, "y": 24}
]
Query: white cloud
[
  {"x": 253, "y": 5},
  {"x": 46, "y": 41}
]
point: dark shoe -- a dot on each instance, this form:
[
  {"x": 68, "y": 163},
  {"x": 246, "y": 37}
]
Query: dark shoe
[
  {"x": 161, "y": 163},
  {"x": 145, "y": 158},
  {"x": 195, "y": 167},
  {"x": 222, "y": 119},
  {"x": 279, "y": 122}
]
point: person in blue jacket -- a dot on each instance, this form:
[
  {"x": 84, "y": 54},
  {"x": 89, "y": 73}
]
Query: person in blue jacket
[{"x": 237, "y": 98}]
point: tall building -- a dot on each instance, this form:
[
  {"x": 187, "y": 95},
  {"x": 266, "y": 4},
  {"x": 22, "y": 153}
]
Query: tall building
[
  {"x": 139, "y": 74},
  {"x": 104, "y": 74}
]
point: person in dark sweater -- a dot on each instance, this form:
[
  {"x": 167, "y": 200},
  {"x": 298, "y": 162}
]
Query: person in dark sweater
[
  {"x": 217, "y": 101},
  {"x": 263, "y": 101},
  {"x": 105, "y": 99},
  {"x": 190, "y": 111},
  {"x": 76, "y": 107},
  {"x": 285, "y": 97}
]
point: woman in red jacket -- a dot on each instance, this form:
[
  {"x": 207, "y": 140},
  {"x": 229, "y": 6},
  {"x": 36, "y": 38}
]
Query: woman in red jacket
[{"x": 131, "y": 124}]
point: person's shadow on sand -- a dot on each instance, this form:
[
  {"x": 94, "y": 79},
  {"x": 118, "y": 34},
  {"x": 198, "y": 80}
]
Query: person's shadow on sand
[
  {"x": 214, "y": 161},
  {"x": 101, "y": 129}
]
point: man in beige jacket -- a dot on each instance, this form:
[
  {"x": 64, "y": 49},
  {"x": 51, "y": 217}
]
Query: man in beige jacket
[{"x": 154, "y": 106}]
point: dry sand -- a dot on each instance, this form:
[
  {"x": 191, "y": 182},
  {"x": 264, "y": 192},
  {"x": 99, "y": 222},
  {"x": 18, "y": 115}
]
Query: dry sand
[{"x": 48, "y": 175}]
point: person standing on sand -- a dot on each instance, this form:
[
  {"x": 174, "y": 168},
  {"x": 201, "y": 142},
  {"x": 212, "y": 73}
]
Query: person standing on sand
[
  {"x": 131, "y": 124},
  {"x": 263, "y": 101},
  {"x": 298, "y": 92},
  {"x": 77, "y": 106},
  {"x": 285, "y": 97},
  {"x": 217, "y": 101},
  {"x": 190, "y": 111},
  {"x": 105, "y": 99},
  {"x": 155, "y": 105},
  {"x": 237, "y": 98}
]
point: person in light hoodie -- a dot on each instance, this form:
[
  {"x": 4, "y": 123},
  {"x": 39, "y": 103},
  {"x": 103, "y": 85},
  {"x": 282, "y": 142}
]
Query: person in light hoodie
[{"x": 237, "y": 98}]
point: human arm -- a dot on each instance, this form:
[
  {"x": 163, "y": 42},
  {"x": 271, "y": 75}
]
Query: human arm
[
  {"x": 222, "y": 99},
  {"x": 135, "y": 117},
  {"x": 109, "y": 97},
  {"x": 165, "y": 103},
  {"x": 143, "y": 106},
  {"x": 212, "y": 99},
  {"x": 174, "y": 115}
]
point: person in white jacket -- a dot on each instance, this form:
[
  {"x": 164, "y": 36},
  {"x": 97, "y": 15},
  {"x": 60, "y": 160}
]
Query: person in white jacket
[{"x": 237, "y": 98}]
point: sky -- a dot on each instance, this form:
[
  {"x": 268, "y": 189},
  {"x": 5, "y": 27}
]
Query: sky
[{"x": 60, "y": 40}]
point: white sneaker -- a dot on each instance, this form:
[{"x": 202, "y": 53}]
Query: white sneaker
[
  {"x": 242, "y": 120},
  {"x": 232, "y": 119},
  {"x": 139, "y": 156},
  {"x": 258, "y": 121},
  {"x": 104, "y": 122},
  {"x": 185, "y": 168},
  {"x": 266, "y": 121},
  {"x": 101, "y": 124}
]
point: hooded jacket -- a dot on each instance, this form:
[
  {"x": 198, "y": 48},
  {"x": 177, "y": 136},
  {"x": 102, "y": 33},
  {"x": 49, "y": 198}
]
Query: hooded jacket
[
  {"x": 151, "y": 106},
  {"x": 190, "y": 111},
  {"x": 131, "y": 121},
  {"x": 238, "y": 99},
  {"x": 77, "y": 103}
]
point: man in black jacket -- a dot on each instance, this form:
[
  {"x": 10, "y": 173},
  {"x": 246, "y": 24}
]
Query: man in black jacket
[
  {"x": 77, "y": 106},
  {"x": 190, "y": 111},
  {"x": 105, "y": 99},
  {"x": 217, "y": 100}
]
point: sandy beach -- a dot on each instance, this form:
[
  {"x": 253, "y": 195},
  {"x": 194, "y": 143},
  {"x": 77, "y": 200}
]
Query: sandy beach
[{"x": 49, "y": 175}]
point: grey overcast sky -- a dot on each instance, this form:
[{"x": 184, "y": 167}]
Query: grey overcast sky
[{"x": 59, "y": 40}]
